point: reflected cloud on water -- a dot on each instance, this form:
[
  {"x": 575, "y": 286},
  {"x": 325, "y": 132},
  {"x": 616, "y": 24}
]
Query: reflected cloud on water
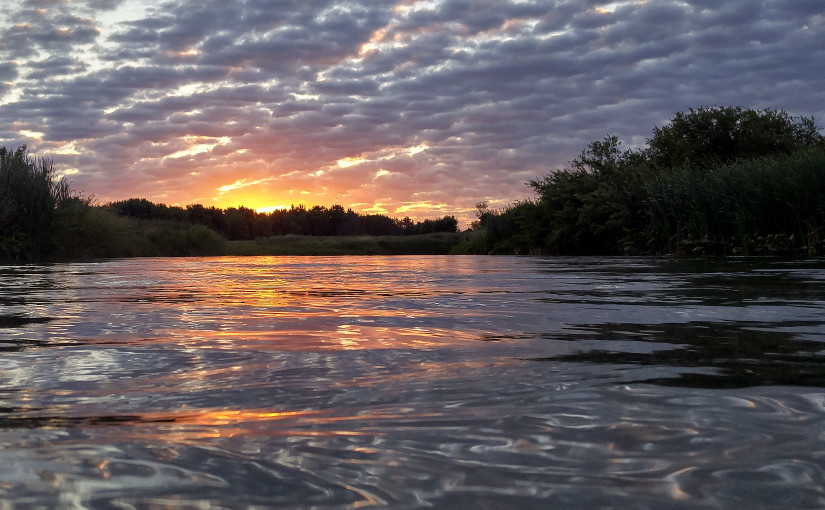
[{"x": 429, "y": 381}]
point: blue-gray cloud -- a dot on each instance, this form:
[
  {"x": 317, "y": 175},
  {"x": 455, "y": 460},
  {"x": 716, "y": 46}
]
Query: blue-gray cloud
[{"x": 447, "y": 102}]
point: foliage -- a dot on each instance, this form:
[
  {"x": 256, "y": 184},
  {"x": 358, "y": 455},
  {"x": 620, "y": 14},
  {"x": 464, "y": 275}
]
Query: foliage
[
  {"x": 708, "y": 137},
  {"x": 743, "y": 206},
  {"x": 242, "y": 223},
  {"x": 41, "y": 218},
  {"x": 507, "y": 231},
  {"x": 33, "y": 203},
  {"x": 714, "y": 180}
]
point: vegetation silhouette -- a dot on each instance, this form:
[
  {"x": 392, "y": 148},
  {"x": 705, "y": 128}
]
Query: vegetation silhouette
[
  {"x": 42, "y": 218},
  {"x": 721, "y": 180},
  {"x": 37, "y": 211},
  {"x": 242, "y": 223}
]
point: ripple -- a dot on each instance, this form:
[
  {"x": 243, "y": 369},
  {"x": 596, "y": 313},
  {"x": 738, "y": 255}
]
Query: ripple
[{"x": 447, "y": 382}]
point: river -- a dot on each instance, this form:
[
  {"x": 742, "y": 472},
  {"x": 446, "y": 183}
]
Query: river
[{"x": 410, "y": 382}]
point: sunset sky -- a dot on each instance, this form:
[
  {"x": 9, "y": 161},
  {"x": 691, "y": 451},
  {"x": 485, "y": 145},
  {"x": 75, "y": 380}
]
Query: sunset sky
[{"x": 419, "y": 108}]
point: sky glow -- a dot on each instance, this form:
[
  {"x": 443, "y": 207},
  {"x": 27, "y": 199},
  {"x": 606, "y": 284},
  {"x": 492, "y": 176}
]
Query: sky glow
[{"x": 419, "y": 108}]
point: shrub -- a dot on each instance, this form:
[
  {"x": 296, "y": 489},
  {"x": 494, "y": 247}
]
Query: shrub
[
  {"x": 712, "y": 180},
  {"x": 32, "y": 201}
]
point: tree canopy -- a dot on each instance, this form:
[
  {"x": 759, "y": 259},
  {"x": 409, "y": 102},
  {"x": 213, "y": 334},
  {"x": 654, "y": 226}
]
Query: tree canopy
[
  {"x": 711, "y": 180},
  {"x": 705, "y": 137}
]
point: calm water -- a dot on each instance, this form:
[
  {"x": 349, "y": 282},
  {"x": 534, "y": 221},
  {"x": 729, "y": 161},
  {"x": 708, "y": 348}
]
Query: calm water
[{"x": 450, "y": 382}]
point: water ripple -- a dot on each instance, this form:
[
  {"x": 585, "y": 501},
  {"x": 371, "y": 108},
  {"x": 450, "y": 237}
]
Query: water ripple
[{"x": 413, "y": 382}]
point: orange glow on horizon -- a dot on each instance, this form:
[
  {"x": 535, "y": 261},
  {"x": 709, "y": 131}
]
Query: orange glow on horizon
[
  {"x": 262, "y": 203},
  {"x": 271, "y": 208}
]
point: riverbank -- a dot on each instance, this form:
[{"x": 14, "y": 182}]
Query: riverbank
[{"x": 424, "y": 244}]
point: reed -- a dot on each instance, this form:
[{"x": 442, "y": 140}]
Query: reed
[
  {"x": 713, "y": 181},
  {"x": 739, "y": 206},
  {"x": 102, "y": 234},
  {"x": 31, "y": 203}
]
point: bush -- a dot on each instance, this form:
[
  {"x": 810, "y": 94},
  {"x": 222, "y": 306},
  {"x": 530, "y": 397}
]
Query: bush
[
  {"x": 714, "y": 180},
  {"x": 708, "y": 137},
  {"x": 32, "y": 203}
]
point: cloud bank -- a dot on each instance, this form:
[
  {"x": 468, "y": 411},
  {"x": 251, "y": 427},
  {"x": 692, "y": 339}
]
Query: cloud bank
[{"x": 419, "y": 108}]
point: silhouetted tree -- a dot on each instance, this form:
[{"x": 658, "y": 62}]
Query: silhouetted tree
[
  {"x": 705, "y": 137},
  {"x": 709, "y": 176}
]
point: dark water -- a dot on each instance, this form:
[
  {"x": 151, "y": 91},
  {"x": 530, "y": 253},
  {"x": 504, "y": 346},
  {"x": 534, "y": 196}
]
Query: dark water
[{"x": 449, "y": 382}]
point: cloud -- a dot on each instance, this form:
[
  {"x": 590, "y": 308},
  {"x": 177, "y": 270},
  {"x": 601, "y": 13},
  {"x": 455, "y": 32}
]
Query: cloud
[{"x": 181, "y": 103}]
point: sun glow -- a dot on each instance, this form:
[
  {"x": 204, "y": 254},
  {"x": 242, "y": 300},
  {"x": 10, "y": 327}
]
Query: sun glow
[
  {"x": 190, "y": 52},
  {"x": 67, "y": 149},
  {"x": 271, "y": 208},
  {"x": 419, "y": 207},
  {"x": 348, "y": 162}
]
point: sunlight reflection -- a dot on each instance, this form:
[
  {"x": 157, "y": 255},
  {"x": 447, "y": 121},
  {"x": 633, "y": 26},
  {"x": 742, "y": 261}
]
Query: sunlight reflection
[
  {"x": 445, "y": 381},
  {"x": 267, "y": 305},
  {"x": 188, "y": 425}
]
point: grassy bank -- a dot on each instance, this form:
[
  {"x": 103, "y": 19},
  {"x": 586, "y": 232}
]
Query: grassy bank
[
  {"x": 424, "y": 244},
  {"x": 97, "y": 233}
]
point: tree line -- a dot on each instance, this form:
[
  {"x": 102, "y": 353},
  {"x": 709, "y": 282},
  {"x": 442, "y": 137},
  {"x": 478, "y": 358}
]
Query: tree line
[
  {"x": 242, "y": 223},
  {"x": 714, "y": 180},
  {"x": 43, "y": 218},
  {"x": 720, "y": 180}
]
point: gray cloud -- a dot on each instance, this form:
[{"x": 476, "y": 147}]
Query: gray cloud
[{"x": 448, "y": 105}]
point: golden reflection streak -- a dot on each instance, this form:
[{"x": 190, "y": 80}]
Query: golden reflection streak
[
  {"x": 337, "y": 337},
  {"x": 190, "y": 425},
  {"x": 234, "y": 416},
  {"x": 368, "y": 501}
]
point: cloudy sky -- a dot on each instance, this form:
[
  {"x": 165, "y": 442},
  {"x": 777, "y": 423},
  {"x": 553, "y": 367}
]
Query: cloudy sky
[{"x": 404, "y": 107}]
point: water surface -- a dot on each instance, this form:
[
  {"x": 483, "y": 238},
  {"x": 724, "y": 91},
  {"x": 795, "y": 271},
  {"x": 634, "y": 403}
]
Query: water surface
[{"x": 452, "y": 382}]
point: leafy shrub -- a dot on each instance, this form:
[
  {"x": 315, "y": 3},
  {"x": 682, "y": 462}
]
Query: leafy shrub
[
  {"x": 713, "y": 180},
  {"x": 32, "y": 202}
]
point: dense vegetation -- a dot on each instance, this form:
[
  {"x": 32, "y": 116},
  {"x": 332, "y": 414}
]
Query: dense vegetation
[
  {"x": 37, "y": 212},
  {"x": 720, "y": 180},
  {"x": 242, "y": 223},
  {"x": 42, "y": 218}
]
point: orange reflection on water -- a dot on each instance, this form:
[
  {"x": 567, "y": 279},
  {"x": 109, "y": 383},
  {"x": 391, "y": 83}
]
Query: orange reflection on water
[
  {"x": 316, "y": 337},
  {"x": 289, "y": 303},
  {"x": 191, "y": 425}
]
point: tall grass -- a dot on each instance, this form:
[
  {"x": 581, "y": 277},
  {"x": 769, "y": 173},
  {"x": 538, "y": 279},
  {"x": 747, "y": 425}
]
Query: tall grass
[
  {"x": 743, "y": 204},
  {"x": 765, "y": 205},
  {"x": 32, "y": 201},
  {"x": 102, "y": 234}
]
